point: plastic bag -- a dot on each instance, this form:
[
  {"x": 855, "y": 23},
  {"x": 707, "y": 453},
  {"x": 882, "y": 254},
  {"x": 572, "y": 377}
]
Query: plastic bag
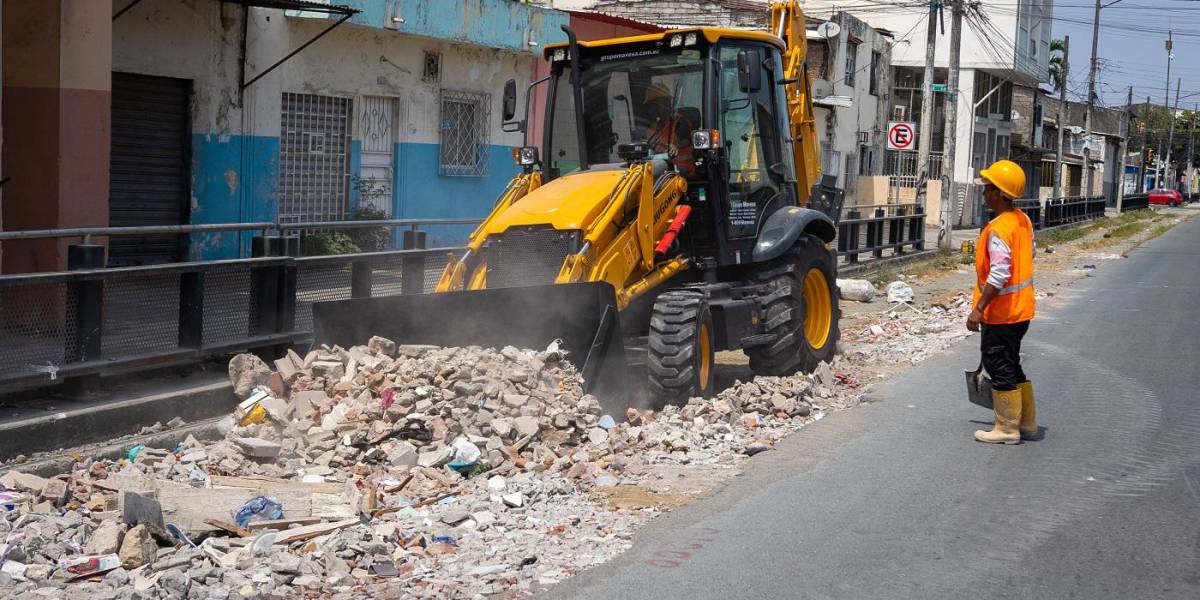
[
  {"x": 258, "y": 508},
  {"x": 898, "y": 291}
]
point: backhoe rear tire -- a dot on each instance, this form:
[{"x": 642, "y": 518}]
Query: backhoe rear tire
[
  {"x": 799, "y": 286},
  {"x": 679, "y": 357}
]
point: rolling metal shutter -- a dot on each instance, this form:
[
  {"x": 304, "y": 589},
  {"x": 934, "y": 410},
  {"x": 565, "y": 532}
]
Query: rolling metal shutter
[{"x": 149, "y": 170}]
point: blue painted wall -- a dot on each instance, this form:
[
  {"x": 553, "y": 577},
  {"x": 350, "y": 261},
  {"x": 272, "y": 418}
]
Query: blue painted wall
[
  {"x": 355, "y": 167},
  {"x": 234, "y": 179},
  {"x": 488, "y": 23},
  {"x": 421, "y": 193}
]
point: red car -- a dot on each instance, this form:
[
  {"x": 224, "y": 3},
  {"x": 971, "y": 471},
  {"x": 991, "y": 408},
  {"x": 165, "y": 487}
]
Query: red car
[{"x": 1167, "y": 197}]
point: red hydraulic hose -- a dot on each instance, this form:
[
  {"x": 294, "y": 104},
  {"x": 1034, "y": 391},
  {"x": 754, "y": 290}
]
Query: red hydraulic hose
[{"x": 681, "y": 216}]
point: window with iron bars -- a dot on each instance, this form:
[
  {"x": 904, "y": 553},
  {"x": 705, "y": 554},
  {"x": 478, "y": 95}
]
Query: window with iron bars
[
  {"x": 464, "y": 134},
  {"x": 314, "y": 157},
  {"x": 851, "y": 62}
]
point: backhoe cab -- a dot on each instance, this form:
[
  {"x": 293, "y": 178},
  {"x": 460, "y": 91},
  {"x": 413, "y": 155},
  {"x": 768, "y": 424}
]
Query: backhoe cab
[{"x": 663, "y": 221}]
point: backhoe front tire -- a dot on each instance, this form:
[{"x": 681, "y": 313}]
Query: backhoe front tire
[
  {"x": 679, "y": 357},
  {"x": 801, "y": 307}
]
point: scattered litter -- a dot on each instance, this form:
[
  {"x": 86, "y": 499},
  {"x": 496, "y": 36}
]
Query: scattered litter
[
  {"x": 259, "y": 508},
  {"x": 82, "y": 566}
]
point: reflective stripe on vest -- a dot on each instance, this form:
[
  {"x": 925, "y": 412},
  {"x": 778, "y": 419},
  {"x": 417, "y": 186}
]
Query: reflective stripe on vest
[{"x": 1010, "y": 289}]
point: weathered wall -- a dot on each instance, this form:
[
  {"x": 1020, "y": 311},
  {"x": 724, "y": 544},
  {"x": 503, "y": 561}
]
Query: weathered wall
[
  {"x": 235, "y": 136},
  {"x": 868, "y": 113}
]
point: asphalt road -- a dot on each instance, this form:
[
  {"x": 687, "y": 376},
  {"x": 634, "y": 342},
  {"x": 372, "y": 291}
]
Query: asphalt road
[{"x": 896, "y": 500}]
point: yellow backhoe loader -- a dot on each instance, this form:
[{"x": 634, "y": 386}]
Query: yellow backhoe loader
[{"x": 665, "y": 218}]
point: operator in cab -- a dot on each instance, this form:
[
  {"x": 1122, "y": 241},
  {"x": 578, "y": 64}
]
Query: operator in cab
[
  {"x": 1003, "y": 303},
  {"x": 670, "y": 132}
]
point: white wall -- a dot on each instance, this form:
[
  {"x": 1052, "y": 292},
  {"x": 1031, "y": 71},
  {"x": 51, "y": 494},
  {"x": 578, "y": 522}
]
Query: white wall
[
  {"x": 199, "y": 40},
  {"x": 189, "y": 40},
  {"x": 359, "y": 61},
  {"x": 909, "y": 26}
]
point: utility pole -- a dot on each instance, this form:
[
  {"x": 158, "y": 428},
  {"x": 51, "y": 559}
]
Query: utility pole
[
  {"x": 1171, "y": 136},
  {"x": 1166, "y": 103},
  {"x": 925, "y": 132},
  {"x": 1191, "y": 170},
  {"x": 1119, "y": 176},
  {"x": 1087, "y": 118},
  {"x": 1062, "y": 119},
  {"x": 1141, "y": 184},
  {"x": 951, "y": 134}
]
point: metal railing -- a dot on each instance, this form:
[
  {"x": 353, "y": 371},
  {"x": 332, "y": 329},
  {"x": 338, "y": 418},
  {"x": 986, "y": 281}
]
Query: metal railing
[
  {"x": 268, "y": 228},
  {"x": 102, "y": 321},
  {"x": 1135, "y": 202},
  {"x": 1053, "y": 212},
  {"x": 1060, "y": 211},
  {"x": 874, "y": 229}
]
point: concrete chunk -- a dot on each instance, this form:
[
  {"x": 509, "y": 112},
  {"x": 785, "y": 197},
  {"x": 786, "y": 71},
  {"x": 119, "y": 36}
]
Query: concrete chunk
[
  {"x": 24, "y": 482},
  {"x": 257, "y": 447}
]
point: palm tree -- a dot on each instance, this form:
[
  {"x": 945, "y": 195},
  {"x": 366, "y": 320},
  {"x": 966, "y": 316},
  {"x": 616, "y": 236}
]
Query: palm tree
[{"x": 1058, "y": 77}]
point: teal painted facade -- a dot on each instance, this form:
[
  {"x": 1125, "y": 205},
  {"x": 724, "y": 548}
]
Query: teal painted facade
[
  {"x": 355, "y": 167},
  {"x": 421, "y": 193},
  {"x": 502, "y": 24},
  {"x": 235, "y": 179},
  {"x": 230, "y": 188}
]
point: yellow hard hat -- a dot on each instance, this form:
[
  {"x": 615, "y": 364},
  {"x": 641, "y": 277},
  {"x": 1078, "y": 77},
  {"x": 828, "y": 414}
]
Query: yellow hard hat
[
  {"x": 656, "y": 91},
  {"x": 1007, "y": 176}
]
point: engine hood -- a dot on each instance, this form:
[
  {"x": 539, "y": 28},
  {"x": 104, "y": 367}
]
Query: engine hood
[{"x": 569, "y": 202}]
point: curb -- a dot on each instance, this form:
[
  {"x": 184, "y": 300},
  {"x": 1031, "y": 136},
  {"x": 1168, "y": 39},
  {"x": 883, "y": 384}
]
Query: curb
[
  {"x": 97, "y": 422},
  {"x": 62, "y": 461},
  {"x": 891, "y": 261}
]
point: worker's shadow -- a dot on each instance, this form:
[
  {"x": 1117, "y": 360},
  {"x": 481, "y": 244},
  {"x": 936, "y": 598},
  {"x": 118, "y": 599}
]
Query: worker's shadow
[{"x": 1037, "y": 437}]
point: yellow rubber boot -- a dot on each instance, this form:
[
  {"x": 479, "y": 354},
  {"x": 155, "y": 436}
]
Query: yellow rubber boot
[
  {"x": 1028, "y": 426},
  {"x": 1008, "y": 418}
]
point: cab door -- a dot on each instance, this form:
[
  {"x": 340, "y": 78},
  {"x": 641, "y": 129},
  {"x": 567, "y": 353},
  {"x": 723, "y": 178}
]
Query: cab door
[{"x": 756, "y": 167}]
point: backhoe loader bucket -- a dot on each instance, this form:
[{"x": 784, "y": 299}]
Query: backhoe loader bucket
[{"x": 582, "y": 315}]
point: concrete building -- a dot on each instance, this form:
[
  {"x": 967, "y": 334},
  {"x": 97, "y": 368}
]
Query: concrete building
[
  {"x": 676, "y": 14},
  {"x": 852, "y": 91},
  {"x": 398, "y": 108},
  {"x": 1003, "y": 45},
  {"x": 1103, "y": 149}
]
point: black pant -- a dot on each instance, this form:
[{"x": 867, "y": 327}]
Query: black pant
[{"x": 1001, "y": 347}]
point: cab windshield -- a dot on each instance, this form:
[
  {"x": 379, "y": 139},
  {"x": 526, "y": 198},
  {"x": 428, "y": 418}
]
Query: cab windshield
[{"x": 651, "y": 95}]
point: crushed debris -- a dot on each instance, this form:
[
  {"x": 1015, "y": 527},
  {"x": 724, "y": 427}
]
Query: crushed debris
[{"x": 389, "y": 471}]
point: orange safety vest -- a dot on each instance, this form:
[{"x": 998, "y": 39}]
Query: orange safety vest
[
  {"x": 684, "y": 158},
  {"x": 1016, "y": 301}
]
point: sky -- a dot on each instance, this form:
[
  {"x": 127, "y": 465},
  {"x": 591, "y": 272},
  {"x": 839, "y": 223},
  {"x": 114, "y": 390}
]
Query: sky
[{"x": 1131, "y": 49}]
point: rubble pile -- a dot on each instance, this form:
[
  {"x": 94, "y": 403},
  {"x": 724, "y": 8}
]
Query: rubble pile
[
  {"x": 907, "y": 333},
  {"x": 385, "y": 470}
]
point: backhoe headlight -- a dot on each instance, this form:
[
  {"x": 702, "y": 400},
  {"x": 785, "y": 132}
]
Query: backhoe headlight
[
  {"x": 706, "y": 139},
  {"x": 675, "y": 41},
  {"x": 525, "y": 156},
  {"x": 559, "y": 54},
  {"x": 689, "y": 39}
]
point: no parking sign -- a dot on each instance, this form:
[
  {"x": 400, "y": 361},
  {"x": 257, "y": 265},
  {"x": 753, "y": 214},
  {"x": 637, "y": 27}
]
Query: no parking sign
[{"x": 901, "y": 135}]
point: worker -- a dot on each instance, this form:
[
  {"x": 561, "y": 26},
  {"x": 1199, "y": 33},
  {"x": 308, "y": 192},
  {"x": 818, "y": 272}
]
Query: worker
[
  {"x": 1003, "y": 303},
  {"x": 670, "y": 132}
]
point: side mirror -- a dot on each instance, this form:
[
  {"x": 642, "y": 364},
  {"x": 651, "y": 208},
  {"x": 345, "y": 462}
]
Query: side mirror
[
  {"x": 749, "y": 67},
  {"x": 510, "y": 99}
]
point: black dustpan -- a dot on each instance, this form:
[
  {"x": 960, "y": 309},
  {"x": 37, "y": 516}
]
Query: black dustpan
[{"x": 979, "y": 388}]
